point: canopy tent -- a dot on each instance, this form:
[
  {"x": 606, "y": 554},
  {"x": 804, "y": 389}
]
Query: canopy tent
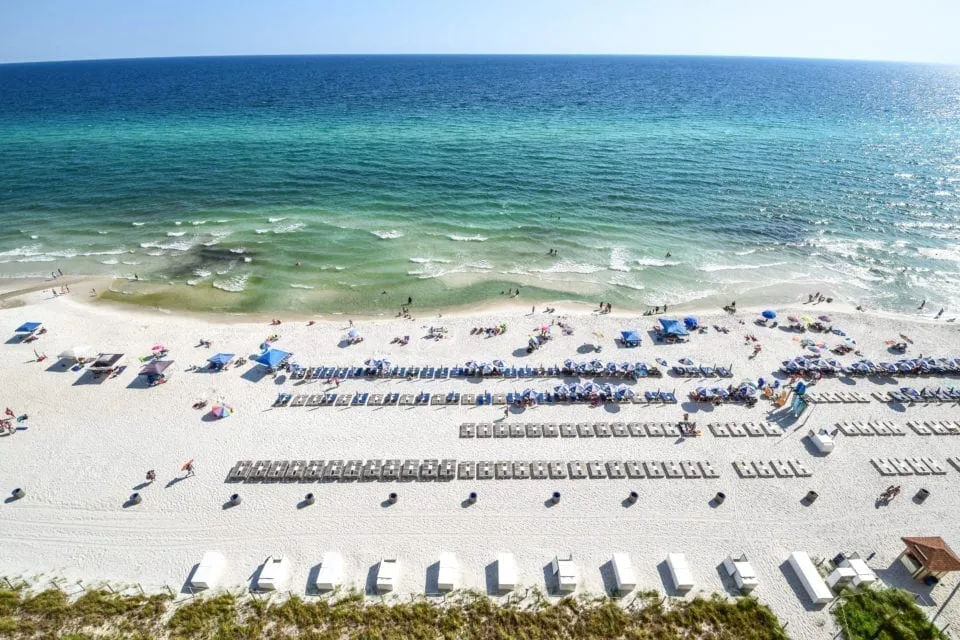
[
  {"x": 155, "y": 368},
  {"x": 28, "y": 327},
  {"x": 673, "y": 327},
  {"x": 691, "y": 322},
  {"x": 81, "y": 352},
  {"x": 106, "y": 362},
  {"x": 272, "y": 358},
  {"x": 220, "y": 360},
  {"x": 631, "y": 337}
]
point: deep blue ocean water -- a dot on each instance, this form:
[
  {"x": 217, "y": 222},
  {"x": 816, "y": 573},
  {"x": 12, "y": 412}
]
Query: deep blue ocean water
[{"x": 449, "y": 178}]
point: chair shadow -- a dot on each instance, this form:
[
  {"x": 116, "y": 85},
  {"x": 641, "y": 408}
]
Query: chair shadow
[
  {"x": 491, "y": 578},
  {"x": 370, "y": 586},
  {"x": 550, "y": 581},
  {"x": 609, "y": 578},
  {"x": 432, "y": 584}
]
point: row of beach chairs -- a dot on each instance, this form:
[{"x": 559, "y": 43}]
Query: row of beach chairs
[
  {"x": 841, "y": 397},
  {"x": 448, "y": 469},
  {"x": 681, "y": 371},
  {"x": 912, "y": 466},
  {"x": 791, "y": 468},
  {"x": 298, "y": 372},
  {"x": 876, "y": 428},
  {"x": 935, "y": 427},
  {"x": 570, "y": 430},
  {"x": 908, "y": 395},
  {"x": 456, "y": 398},
  {"x": 743, "y": 429}
]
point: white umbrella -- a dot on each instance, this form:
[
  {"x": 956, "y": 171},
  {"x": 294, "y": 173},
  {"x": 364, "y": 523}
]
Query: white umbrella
[{"x": 75, "y": 353}]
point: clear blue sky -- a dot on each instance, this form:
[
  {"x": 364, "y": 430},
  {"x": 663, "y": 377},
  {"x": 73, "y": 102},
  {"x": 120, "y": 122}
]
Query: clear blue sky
[{"x": 921, "y": 30}]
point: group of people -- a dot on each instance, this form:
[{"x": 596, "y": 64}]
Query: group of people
[{"x": 605, "y": 307}]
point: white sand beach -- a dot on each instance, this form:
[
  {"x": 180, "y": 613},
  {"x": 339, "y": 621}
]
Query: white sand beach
[{"x": 88, "y": 446}]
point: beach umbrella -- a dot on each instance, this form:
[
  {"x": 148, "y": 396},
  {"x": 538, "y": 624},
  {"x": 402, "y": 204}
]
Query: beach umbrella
[
  {"x": 529, "y": 393},
  {"x": 806, "y": 319},
  {"x": 626, "y": 367},
  {"x": 685, "y": 361},
  {"x": 569, "y": 364},
  {"x": 158, "y": 347},
  {"x": 499, "y": 364},
  {"x": 186, "y": 465},
  {"x": 661, "y": 362},
  {"x": 769, "y": 314},
  {"x": 75, "y": 353},
  {"x": 691, "y": 322},
  {"x": 221, "y": 411},
  {"x": 155, "y": 368},
  {"x": 825, "y": 319},
  {"x": 28, "y": 327},
  {"x": 221, "y": 359},
  {"x": 596, "y": 365},
  {"x": 793, "y": 318},
  {"x": 470, "y": 364},
  {"x": 352, "y": 333},
  {"x": 271, "y": 357},
  {"x": 370, "y": 362}
]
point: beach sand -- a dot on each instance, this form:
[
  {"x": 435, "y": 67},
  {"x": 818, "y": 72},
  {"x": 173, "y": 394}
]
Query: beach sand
[{"x": 88, "y": 447}]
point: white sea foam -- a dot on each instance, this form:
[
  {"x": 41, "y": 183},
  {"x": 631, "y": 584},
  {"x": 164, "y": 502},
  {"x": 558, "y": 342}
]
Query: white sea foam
[
  {"x": 948, "y": 255},
  {"x": 710, "y": 268},
  {"x": 473, "y": 238},
  {"x": 103, "y": 233},
  {"x": 238, "y": 250},
  {"x": 197, "y": 223},
  {"x": 387, "y": 235},
  {"x": 175, "y": 234},
  {"x": 31, "y": 250},
  {"x": 618, "y": 260},
  {"x": 132, "y": 261},
  {"x": 570, "y": 267},
  {"x": 178, "y": 222},
  {"x": 111, "y": 261},
  {"x": 247, "y": 259},
  {"x": 429, "y": 261},
  {"x": 180, "y": 245},
  {"x": 626, "y": 285},
  {"x": 37, "y": 258},
  {"x": 260, "y": 232},
  {"x": 301, "y": 286},
  {"x": 654, "y": 262},
  {"x": 34, "y": 237},
  {"x": 138, "y": 224},
  {"x": 289, "y": 228},
  {"x": 202, "y": 273},
  {"x": 234, "y": 284},
  {"x": 275, "y": 220}
]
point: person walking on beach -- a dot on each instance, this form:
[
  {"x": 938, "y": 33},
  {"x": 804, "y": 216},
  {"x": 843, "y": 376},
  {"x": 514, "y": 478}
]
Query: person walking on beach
[
  {"x": 506, "y": 413},
  {"x": 940, "y": 313},
  {"x": 409, "y": 300},
  {"x": 151, "y": 476},
  {"x": 922, "y": 304},
  {"x": 189, "y": 468}
]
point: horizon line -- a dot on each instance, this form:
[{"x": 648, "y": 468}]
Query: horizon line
[{"x": 478, "y": 55}]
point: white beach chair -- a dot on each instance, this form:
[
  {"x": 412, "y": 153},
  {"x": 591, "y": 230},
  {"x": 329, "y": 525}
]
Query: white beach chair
[
  {"x": 680, "y": 572},
  {"x": 623, "y": 574},
  {"x": 330, "y": 575},
  {"x": 506, "y": 572},
  {"x": 208, "y": 573},
  {"x": 448, "y": 573},
  {"x": 273, "y": 573},
  {"x": 387, "y": 572}
]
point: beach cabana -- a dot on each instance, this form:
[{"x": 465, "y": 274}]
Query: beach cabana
[
  {"x": 155, "y": 369},
  {"x": 623, "y": 573},
  {"x": 506, "y": 572},
  {"x": 272, "y": 358},
  {"x": 28, "y": 329},
  {"x": 208, "y": 572},
  {"x": 219, "y": 361},
  {"x": 387, "y": 572},
  {"x": 691, "y": 323},
  {"x": 928, "y": 559},
  {"x": 566, "y": 573},
  {"x": 331, "y": 572},
  {"x": 742, "y": 572},
  {"x": 273, "y": 573},
  {"x": 813, "y": 584},
  {"x": 106, "y": 363},
  {"x": 77, "y": 353},
  {"x": 679, "y": 571},
  {"x": 447, "y": 574},
  {"x": 630, "y": 338},
  {"x": 822, "y": 441},
  {"x": 673, "y": 328}
]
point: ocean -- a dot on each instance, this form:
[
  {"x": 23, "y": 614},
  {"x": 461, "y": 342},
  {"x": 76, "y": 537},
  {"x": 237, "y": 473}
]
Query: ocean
[{"x": 350, "y": 183}]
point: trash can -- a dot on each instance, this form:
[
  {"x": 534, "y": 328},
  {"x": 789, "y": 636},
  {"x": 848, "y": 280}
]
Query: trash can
[
  {"x": 555, "y": 498},
  {"x": 720, "y": 497},
  {"x": 633, "y": 497},
  {"x": 811, "y": 496},
  {"x": 135, "y": 498},
  {"x": 472, "y": 497},
  {"x": 392, "y": 498},
  {"x": 235, "y": 499},
  {"x": 18, "y": 493},
  {"x": 922, "y": 495},
  {"x": 308, "y": 499}
]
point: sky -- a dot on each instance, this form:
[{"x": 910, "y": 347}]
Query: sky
[{"x": 910, "y": 30}]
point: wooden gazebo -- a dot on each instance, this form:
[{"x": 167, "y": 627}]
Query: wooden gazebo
[{"x": 926, "y": 557}]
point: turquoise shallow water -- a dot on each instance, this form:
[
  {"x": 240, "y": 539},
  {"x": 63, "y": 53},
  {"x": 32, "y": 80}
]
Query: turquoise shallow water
[{"x": 448, "y": 179}]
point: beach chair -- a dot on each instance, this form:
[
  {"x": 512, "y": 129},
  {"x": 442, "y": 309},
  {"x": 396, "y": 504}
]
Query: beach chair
[
  {"x": 602, "y": 429},
  {"x": 634, "y": 469},
  {"x": 919, "y": 428},
  {"x": 771, "y": 429},
  {"x": 763, "y": 469},
  {"x": 576, "y": 470},
  {"x": 799, "y": 468},
  {"x": 551, "y": 430},
  {"x": 690, "y": 469},
  {"x": 653, "y": 469},
  {"x": 521, "y": 470},
  {"x": 954, "y": 462},
  {"x": 503, "y": 470},
  {"x": 736, "y": 430},
  {"x": 376, "y": 400},
  {"x": 313, "y": 471},
  {"x": 447, "y": 470},
  {"x": 259, "y": 470},
  {"x": 935, "y": 467},
  {"x": 351, "y": 470},
  {"x": 753, "y": 430},
  {"x": 615, "y": 470},
  {"x": 918, "y": 466},
  {"x": 438, "y": 399},
  {"x": 744, "y": 469},
  {"x": 636, "y": 430},
  {"x": 466, "y": 470},
  {"x": 538, "y": 470},
  {"x": 718, "y": 430},
  {"x": 410, "y": 469},
  {"x": 654, "y": 430},
  {"x": 670, "y": 430},
  {"x": 282, "y": 400},
  {"x": 533, "y": 430},
  {"x": 371, "y": 470},
  {"x": 651, "y": 396},
  {"x": 344, "y": 400},
  {"x": 429, "y": 469},
  {"x": 468, "y": 430},
  {"x": 298, "y": 400},
  {"x": 567, "y": 430},
  {"x": 391, "y": 399},
  {"x": 295, "y": 470},
  {"x": 484, "y": 430},
  {"x": 672, "y": 470},
  {"x": 453, "y": 398},
  {"x": 585, "y": 430},
  {"x": 332, "y": 470},
  {"x": 360, "y": 399},
  {"x": 442, "y": 373},
  {"x": 895, "y": 429},
  {"x": 708, "y": 470},
  {"x": 511, "y": 398},
  {"x": 865, "y": 428},
  {"x": 330, "y": 399},
  {"x": 558, "y": 470},
  {"x": 595, "y": 469},
  {"x": 390, "y": 469},
  {"x": 517, "y": 430},
  {"x": 782, "y": 469},
  {"x": 619, "y": 430},
  {"x": 240, "y": 471},
  {"x": 501, "y": 430},
  {"x": 901, "y": 466},
  {"x": 276, "y": 470}
]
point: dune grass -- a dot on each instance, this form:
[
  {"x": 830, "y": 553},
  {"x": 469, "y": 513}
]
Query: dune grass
[
  {"x": 468, "y": 616},
  {"x": 883, "y": 614}
]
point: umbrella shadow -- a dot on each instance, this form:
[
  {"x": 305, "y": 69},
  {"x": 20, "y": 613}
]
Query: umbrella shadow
[{"x": 174, "y": 481}]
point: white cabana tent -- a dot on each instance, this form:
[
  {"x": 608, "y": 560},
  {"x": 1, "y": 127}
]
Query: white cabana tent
[
  {"x": 330, "y": 574},
  {"x": 822, "y": 441},
  {"x": 742, "y": 572},
  {"x": 623, "y": 573},
  {"x": 273, "y": 573},
  {"x": 209, "y": 571},
  {"x": 387, "y": 572},
  {"x": 680, "y": 571},
  {"x": 447, "y": 576},
  {"x": 506, "y": 572},
  {"x": 566, "y": 573},
  {"x": 809, "y": 577}
]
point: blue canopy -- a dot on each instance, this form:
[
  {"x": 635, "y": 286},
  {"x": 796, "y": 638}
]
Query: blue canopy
[
  {"x": 690, "y": 322},
  {"x": 769, "y": 314},
  {"x": 631, "y": 335},
  {"x": 673, "y": 327},
  {"x": 28, "y": 327},
  {"x": 272, "y": 357},
  {"x": 221, "y": 359}
]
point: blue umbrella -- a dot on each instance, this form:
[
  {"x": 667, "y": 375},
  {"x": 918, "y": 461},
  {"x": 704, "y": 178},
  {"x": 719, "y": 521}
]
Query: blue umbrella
[
  {"x": 769, "y": 314},
  {"x": 691, "y": 322}
]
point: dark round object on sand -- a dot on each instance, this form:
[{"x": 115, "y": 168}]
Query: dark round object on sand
[
  {"x": 633, "y": 497},
  {"x": 235, "y": 499},
  {"x": 473, "y": 497},
  {"x": 555, "y": 498},
  {"x": 18, "y": 493},
  {"x": 135, "y": 498},
  {"x": 720, "y": 497},
  {"x": 922, "y": 495},
  {"x": 392, "y": 498},
  {"x": 811, "y": 496},
  {"x": 308, "y": 499}
]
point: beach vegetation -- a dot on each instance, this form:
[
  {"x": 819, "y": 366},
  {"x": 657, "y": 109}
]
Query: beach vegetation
[
  {"x": 470, "y": 615},
  {"x": 884, "y": 614}
]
